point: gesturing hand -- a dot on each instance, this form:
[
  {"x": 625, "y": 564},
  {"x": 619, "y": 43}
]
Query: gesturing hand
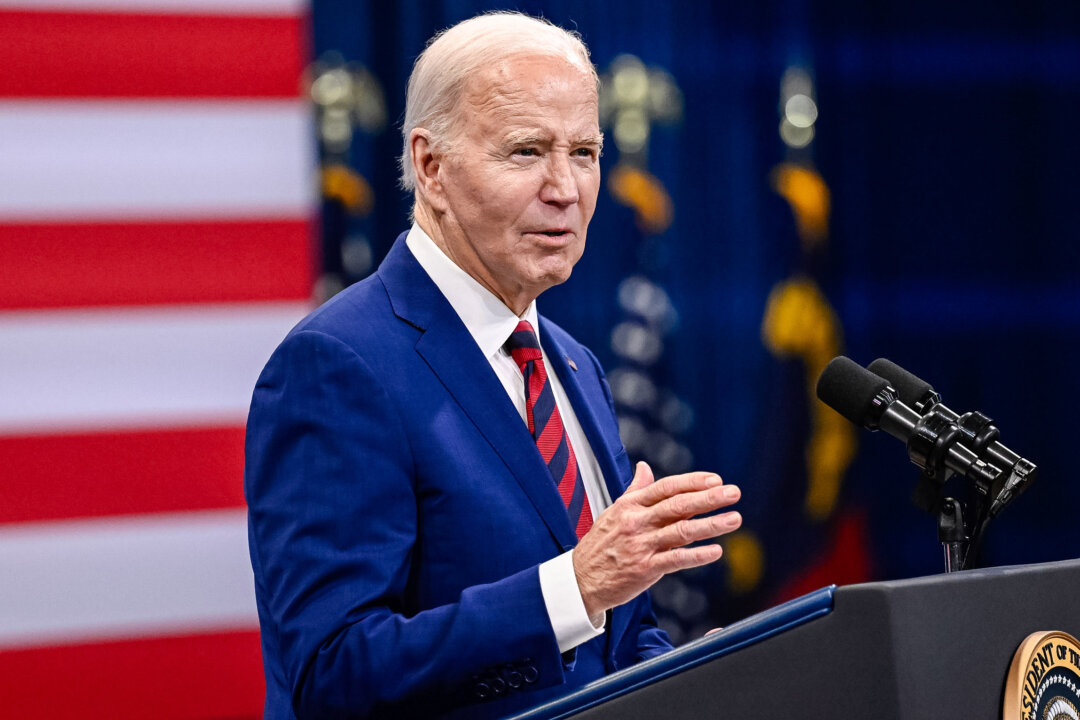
[{"x": 644, "y": 534}]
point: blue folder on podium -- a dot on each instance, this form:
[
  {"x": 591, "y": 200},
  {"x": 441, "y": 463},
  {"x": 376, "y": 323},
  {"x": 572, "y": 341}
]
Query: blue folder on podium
[{"x": 932, "y": 647}]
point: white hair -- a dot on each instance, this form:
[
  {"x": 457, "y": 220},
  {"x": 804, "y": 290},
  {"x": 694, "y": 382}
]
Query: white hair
[{"x": 438, "y": 79}]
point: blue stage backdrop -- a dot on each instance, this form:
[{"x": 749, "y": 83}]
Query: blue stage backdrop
[{"x": 922, "y": 208}]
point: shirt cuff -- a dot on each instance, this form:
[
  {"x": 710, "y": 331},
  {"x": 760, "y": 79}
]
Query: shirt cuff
[{"x": 565, "y": 608}]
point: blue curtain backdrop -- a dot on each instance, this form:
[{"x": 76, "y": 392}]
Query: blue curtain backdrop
[{"x": 947, "y": 137}]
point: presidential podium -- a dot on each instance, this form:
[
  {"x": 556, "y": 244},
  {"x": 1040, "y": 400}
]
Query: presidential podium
[{"x": 932, "y": 647}]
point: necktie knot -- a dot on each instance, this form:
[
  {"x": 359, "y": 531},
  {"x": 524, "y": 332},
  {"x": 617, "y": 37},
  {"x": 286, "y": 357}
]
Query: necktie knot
[{"x": 523, "y": 344}]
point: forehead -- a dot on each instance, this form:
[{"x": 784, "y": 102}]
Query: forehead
[{"x": 519, "y": 89}]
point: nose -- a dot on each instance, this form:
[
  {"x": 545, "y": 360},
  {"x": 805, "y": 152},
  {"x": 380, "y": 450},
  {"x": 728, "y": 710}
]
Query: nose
[{"x": 560, "y": 186}]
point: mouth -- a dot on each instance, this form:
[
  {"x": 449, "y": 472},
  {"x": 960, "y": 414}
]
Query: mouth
[{"x": 552, "y": 233}]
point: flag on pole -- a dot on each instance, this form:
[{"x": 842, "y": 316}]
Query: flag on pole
[{"x": 157, "y": 197}]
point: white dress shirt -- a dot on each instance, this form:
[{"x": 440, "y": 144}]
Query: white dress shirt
[{"x": 490, "y": 323}]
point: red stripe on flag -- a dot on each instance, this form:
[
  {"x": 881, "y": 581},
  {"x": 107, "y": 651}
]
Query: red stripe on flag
[
  {"x": 212, "y": 676},
  {"x": 63, "y": 265},
  {"x": 52, "y": 477},
  {"x": 72, "y": 54}
]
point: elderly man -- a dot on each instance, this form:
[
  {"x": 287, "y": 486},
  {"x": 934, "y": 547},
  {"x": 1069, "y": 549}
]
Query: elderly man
[{"x": 442, "y": 517}]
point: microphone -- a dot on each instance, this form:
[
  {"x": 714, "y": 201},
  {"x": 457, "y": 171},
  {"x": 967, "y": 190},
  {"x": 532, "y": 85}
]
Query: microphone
[
  {"x": 980, "y": 434},
  {"x": 932, "y": 440}
]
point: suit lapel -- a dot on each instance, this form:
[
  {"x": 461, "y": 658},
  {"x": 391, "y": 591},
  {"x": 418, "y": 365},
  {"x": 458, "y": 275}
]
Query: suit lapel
[
  {"x": 585, "y": 404},
  {"x": 452, "y": 354}
]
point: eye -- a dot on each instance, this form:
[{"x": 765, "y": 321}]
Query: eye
[
  {"x": 585, "y": 152},
  {"x": 526, "y": 152}
]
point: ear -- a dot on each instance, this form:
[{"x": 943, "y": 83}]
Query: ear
[{"x": 427, "y": 163}]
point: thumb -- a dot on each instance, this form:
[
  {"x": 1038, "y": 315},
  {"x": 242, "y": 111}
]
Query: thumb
[{"x": 643, "y": 477}]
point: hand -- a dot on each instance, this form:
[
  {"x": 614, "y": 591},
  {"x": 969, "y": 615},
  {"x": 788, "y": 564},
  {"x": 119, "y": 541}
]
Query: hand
[{"x": 644, "y": 534}]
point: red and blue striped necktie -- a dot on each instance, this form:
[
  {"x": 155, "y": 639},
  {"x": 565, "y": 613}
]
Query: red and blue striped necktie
[{"x": 546, "y": 426}]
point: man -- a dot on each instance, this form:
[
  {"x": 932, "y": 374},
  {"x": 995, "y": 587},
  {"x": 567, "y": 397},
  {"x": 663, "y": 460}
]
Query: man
[{"x": 419, "y": 471}]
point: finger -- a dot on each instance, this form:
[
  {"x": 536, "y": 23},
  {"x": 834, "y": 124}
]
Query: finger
[
  {"x": 685, "y": 532},
  {"x": 643, "y": 477},
  {"x": 676, "y": 484},
  {"x": 689, "y": 504},
  {"x": 684, "y": 558}
]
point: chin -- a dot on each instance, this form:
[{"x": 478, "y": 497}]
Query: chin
[
  {"x": 556, "y": 278},
  {"x": 553, "y": 269}
]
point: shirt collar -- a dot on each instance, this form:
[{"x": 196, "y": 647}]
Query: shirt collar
[{"x": 486, "y": 318}]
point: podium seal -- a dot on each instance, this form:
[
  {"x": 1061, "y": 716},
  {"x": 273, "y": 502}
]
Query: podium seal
[{"x": 1044, "y": 679}]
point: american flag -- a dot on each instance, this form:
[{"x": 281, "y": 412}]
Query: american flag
[{"x": 157, "y": 169}]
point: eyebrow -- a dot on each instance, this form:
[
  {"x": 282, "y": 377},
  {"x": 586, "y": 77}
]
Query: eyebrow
[
  {"x": 528, "y": 138},
  {"x": 525, "y": 138},
  {"x": 595, "y": 140}
]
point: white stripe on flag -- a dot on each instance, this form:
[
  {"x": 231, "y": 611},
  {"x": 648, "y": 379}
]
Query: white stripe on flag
[
  {"x": 155, "y": 366},
  {"x": 138, "y": 159},
  {"x": 125, "y": 577},
  {"x": 179, "y": 7}
]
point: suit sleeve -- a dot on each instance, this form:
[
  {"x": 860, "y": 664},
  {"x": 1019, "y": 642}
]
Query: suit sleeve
[{"x": 333, "y": 519}]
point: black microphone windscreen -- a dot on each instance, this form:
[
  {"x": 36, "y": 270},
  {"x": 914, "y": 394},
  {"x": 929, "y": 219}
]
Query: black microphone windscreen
[
  {"x": 849, "y": 389},
  {"x": 911, "y": 389}
]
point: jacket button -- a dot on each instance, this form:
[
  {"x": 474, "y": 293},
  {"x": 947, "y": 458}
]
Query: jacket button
[
  {"x": 513, "y": 678},
  {"x": 530, "y": 674},
  {"x": 482, "y": 690},
  {"x": 498, "y": 685}
]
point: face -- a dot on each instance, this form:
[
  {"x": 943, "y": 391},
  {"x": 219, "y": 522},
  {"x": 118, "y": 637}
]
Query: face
[{"x": 515, "y": 193}]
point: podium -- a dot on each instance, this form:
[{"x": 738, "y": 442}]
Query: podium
[{"x": 931, "y": 647}]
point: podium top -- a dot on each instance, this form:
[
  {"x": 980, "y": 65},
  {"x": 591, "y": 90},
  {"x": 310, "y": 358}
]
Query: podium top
[{"x": 733, "y": 637}]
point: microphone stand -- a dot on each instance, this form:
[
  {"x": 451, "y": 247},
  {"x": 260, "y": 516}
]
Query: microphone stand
[
  {"x": 960, "y": 533},
  {"x": 951, "y": 534}
]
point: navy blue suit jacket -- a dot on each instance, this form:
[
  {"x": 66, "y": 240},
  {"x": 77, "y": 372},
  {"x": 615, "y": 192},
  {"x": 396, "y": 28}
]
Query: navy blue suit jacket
[{"x": 399, "y": 510}]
